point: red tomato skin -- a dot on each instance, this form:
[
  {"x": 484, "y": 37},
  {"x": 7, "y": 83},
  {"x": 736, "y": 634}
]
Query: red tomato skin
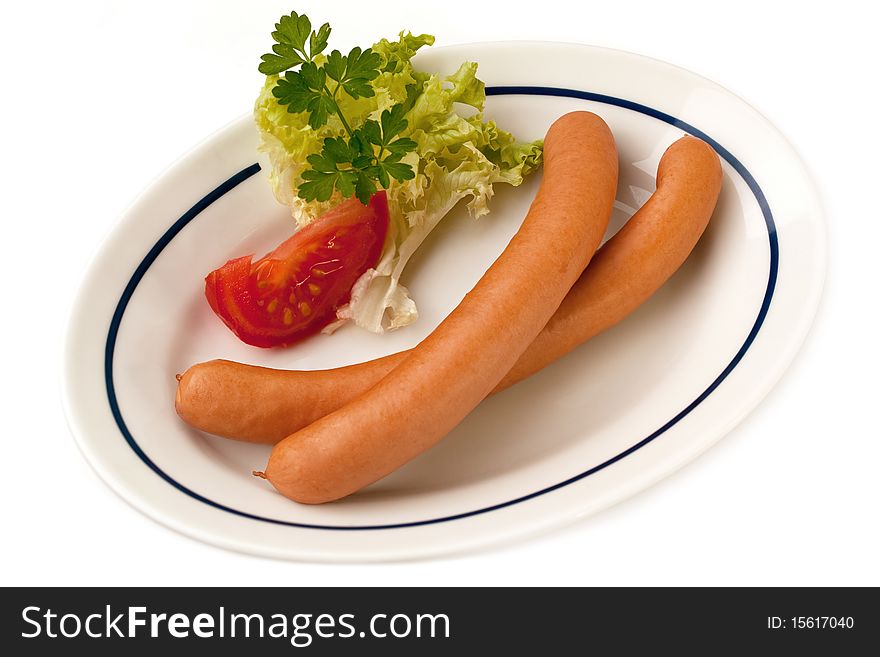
[{"x": 294, "y": 291}]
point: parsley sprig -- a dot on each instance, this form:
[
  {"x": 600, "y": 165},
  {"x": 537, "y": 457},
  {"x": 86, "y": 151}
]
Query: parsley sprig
[{"x": 354, "y": 162}]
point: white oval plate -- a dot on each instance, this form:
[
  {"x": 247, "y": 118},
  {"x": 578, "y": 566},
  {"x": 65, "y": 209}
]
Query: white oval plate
[{"x": 624, "y": 410}]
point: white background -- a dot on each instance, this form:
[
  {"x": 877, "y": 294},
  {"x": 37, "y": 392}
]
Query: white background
[{"x": 102, "y": 96}]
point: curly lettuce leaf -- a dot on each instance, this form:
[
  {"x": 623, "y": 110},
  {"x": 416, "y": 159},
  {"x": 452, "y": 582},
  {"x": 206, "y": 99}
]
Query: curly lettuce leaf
[{"x": 459, "y": 157}]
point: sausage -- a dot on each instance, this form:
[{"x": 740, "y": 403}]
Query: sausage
[
  {"x": 263, "y": 405},
  {"x": 446, "y": 375}
]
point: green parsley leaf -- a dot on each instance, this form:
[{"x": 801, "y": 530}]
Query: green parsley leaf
[
  {"x": 346, "y": 183},
  {"x": 318, "y": 40},
  {"x": 293, "y": 90},
  {"x": 393, "y": 123},
  {"x": 321, "y": 163},
  {"x": 360, "y": 144},
  {"x": 314, "y": 77},
  {"x": 378, "y": 172},
  {"x": 304, "y": 91},
  {"x": 294, "y": 30},
  {"x": 325, "y": 174},
  {"x": 285, "y": 57},
  {"x": 335, "y": 66},
  {"x": 291, "y": 33},
  {"x": 336, "y": 149},
  {"x": 361, "y": 67},
  {"x": 400, "y": 171},
  {"x": 401, "y": 146},
  {"x": 372, "y": 132},
  {"x": 364, "y": 188},
  {"x": 317, "y": 186},
  {"x": 320, "y": 109}
]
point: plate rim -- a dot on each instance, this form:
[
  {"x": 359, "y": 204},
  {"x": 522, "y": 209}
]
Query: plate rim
[{"x": 233, "y": 181}]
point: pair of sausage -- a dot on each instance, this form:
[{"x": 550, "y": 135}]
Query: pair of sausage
[{"x": 369, "y": 431}]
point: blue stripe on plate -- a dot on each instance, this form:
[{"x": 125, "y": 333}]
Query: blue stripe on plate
[{"x": 246, "y": 173}]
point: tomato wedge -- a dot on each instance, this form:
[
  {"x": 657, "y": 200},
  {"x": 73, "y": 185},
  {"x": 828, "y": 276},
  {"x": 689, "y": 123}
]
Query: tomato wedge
[{"x": 294, "y": 291}]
